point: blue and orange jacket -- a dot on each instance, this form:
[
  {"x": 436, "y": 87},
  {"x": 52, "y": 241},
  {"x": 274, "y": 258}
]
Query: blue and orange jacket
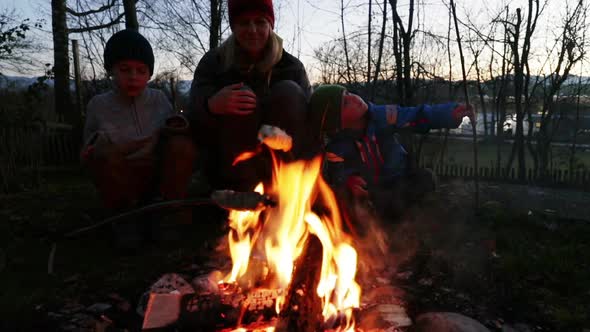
[{"x": 375, "y": 154}]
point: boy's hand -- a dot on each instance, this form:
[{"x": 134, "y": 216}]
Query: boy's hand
[
  {"x": 176, "y": 125},
  {"x": 357, "y": 186},
  {"x": 233, "y": 99},
  {"x": 464, "y": 110},
  {"x": 141, "y": 148}
]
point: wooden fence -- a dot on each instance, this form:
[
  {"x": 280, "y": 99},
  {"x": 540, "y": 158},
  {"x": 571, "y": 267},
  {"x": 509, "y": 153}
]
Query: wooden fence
[
  {"x": 554, "y": 178},
  {"x": 32, "y": 149},
  {"x": 26, "y": 151}
]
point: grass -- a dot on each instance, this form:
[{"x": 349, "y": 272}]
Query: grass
[
  {"x": 539, "y": 276},
  {"x": 531, "y": 269},
  {"x": 460, "y": 152},
  {"x": 88, "y": 268},
  {"x": 544, "y": 268}
]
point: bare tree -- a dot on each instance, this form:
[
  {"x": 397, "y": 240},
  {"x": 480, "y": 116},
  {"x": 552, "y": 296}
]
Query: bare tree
[
  {"x": 61, "y": 63},
  {"x": 215, "y": 27},
  {"x": 18, "y": 48},
  {"x": 186, "y": 29},
  {"x": 402, "y": 49},
  {"x": 380, "y": 51},
  {"x": 344, "y": 42},
  {"x": 572, "y": 161},
  {"x": 521, "y": 82},
  {"x": 61, "y": 31},
  {"x": 369, "y": 33},
  {"x": 130, "y": 15},
  {"x": 570, "y": 51}
]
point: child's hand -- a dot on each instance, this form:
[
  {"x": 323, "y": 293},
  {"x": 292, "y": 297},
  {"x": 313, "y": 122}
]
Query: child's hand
[
  {"x": 357, "y": 186},
  {"x": 464, "y": 110},
  {"x": 233, "y": 99},
  {"x": 176, "y": 125}
]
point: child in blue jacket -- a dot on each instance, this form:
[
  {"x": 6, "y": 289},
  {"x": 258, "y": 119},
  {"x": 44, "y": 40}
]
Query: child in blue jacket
[{"x": 364, "y": 160}]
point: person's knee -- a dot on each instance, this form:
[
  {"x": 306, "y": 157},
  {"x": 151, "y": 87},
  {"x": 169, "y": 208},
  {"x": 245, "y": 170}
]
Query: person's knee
[
  {"x": 287, "y": 89},
  {"x": 287, "y": 105},
  {"x": 181, "y": 147}
]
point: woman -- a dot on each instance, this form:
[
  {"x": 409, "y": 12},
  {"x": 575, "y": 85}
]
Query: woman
[{"x": 248, "y": 81}]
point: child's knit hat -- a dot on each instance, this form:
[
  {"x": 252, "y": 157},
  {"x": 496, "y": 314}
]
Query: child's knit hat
[
  {"x": 237, "y": 7},
  {"x": 325, "y": 107},
  {"x": 128, "y": 45}
]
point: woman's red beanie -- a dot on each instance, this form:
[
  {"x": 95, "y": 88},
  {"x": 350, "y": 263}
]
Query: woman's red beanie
[{"x": 237, "y": 7}]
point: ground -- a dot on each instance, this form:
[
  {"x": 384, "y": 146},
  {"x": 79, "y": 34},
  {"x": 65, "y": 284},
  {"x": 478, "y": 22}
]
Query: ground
[{"x": 514, "y": 261}]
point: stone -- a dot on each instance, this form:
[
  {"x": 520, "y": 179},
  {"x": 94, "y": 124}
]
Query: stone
[
  {"x": 517, "y": 328},
  {"x": 2, "y": 260},
  {"x": 384, "y": 317},
  {"x": 172, "y": 282},
  {"x": 163, "y": 310},
  {"x": 99, "y": 308},
  {"x": 383, "y": 294},
  {"x": 447, "y": 322},
  {"x": 394, "y": 314}
]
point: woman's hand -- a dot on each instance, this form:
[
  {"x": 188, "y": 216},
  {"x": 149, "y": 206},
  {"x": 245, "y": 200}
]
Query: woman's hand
[{"x": 233, "y": 99}]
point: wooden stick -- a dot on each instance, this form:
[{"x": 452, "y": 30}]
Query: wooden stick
[{"x": 473, "y": 121}]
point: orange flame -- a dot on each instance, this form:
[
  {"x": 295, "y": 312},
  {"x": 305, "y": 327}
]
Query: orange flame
[{"x": 297, "y": 186}]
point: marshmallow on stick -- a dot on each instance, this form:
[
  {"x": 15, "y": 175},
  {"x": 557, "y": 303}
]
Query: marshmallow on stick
[{"x": 275, "y": 138}]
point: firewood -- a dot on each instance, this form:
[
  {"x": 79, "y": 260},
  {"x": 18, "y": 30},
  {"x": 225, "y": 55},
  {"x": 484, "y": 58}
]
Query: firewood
[
  {"x": 302, "y": 310},
  {"x": 209, "y": 311}
]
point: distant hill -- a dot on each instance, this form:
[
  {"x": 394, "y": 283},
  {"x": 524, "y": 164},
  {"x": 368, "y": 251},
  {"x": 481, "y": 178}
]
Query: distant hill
[
  {"x": 17, "y": 83},
  {"x": 20, "y": 83}
]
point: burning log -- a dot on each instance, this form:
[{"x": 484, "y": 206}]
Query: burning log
[
  {"x": 302, "y": 310},
  {"x": 210, "y": 311}
]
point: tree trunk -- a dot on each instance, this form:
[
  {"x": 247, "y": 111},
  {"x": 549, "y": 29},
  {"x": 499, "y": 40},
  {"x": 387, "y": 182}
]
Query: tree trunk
[
  {"x": 398, "y": 66},
  {"x": 518, "y": 92},
  {"x": 130, "y": 15},
  {"x": 369, "y": 41},
  {"x": 215, "y": 27},
  {"x": 380, "y": 56},
  {"x": 348, "y": 75},
  {"x": 61, "y": 62},
  {"x": 481, "y": 97},
  {"x": 576, "y": 128},
  {"x": 501, "y": 100},
  {"x": 77, "y": 78}
]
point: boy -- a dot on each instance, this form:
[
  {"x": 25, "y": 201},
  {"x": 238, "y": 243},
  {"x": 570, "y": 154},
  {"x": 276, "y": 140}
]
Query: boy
[
  {"x": 135, "y": 147},
  {"x": 364, "y": 160}
]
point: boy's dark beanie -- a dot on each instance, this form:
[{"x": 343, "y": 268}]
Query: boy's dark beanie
[{"x": 128, "y": 45}]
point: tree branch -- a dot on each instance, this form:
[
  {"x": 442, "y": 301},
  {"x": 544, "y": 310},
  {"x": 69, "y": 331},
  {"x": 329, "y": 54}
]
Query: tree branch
[
  {"x": 92, "y": 11},
  {"x": 98, "y": 27}
]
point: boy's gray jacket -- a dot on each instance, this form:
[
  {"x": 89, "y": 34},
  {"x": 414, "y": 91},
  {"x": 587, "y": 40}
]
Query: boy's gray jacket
[{"x": 123, "y": 120}]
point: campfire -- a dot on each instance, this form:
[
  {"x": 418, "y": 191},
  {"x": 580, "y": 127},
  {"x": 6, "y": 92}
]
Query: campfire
[
  {"x": 297, "y": 252},
  {"x": 293, "y": 266}
]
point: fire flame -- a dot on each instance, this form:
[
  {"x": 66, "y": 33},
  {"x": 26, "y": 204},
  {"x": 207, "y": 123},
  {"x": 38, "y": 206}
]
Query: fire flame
[{"x": 282, "y": 233}]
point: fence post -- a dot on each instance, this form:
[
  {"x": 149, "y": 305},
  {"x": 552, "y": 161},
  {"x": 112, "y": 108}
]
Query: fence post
[
  {"x": 173, "y": 94},
  {"x": 77, "y": 79}
]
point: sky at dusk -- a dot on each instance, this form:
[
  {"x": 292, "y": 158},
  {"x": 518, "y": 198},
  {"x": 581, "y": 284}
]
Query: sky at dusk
[{"x": 307, "y": 24}]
